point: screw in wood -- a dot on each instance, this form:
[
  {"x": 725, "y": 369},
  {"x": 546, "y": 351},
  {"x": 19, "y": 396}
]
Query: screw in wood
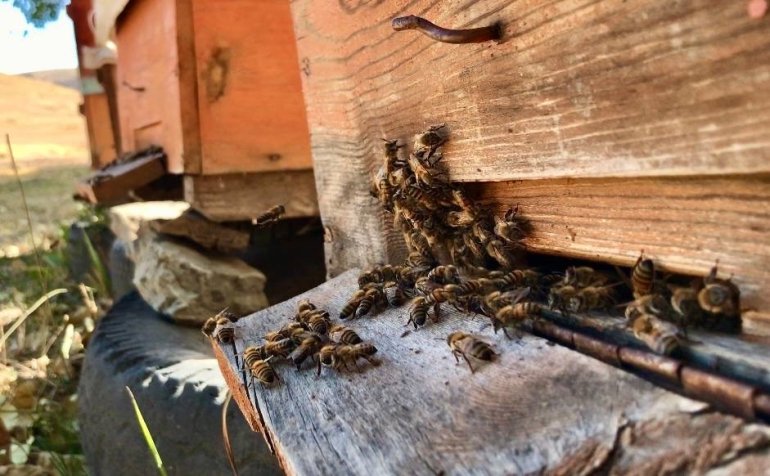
[{"x": 446, "y": 35}]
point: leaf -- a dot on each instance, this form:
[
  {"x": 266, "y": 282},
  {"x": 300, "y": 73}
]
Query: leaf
[{"x": 147, "y": 435}]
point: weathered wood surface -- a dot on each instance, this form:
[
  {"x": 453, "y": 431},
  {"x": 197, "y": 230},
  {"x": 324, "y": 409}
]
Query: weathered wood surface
[
  {"x": 685, "y": 225},
  {"x": 147, "y": 81},
  {"x": 538, "y": 407},
  {"x": 742, "y": 358},
  {"x": 576, "y": 88},
  {"x": 249, "y": 95},
  {"x": 237, "y": 197}
]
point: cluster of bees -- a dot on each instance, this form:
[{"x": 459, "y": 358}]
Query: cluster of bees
[
  {"x": 441, "y": 225},
  {"x": 660, "y": 314},
  {"x": 310, "y": 334}
]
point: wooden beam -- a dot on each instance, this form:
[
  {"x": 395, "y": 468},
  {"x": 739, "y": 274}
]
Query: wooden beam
[
  {"x": 114, "y": 183},
  {"x": 576, "y": 88},
  {"x": 420, "y": 413},
  {"x": 238, "y": 197}
]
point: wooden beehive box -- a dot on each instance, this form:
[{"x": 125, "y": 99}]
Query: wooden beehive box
[
  {"x": 217, "y": 84},
  {"x": 615, "y": 126}
]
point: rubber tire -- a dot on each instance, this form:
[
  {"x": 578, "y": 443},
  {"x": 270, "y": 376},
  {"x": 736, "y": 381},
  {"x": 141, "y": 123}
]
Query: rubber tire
[
  {"x": 179, "y": 389},
  {"x": 121, "y": 270}
]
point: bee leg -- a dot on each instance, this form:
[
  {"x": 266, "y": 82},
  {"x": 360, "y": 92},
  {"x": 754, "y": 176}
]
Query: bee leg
[
  {"x": 457, "y": 359},
  {"x": 469, "y": 363},
  {"x": 505, "y": 331},
  {"x": 436, "y": 312}
]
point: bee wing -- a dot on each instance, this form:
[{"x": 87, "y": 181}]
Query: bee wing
[{"x": 517, "y": 294}]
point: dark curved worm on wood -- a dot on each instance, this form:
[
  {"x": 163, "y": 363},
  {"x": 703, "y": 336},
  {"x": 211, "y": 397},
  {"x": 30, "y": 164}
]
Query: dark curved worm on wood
[{"x": 445, "y": 35}]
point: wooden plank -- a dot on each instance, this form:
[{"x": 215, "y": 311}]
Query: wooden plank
[
  {"x": 252, "y": 112},
  {"x": 114, "y": 184},
  {"x": 100, "y": 132},
  {"x": 148, "y": 81},
  {"x": 419, "y": 413},
  {"x": 237, "y": 197},
  {"x": 188, "y": 86},
  {"x": 577, "y": 88},
  {"x": 684, "y": 224}
]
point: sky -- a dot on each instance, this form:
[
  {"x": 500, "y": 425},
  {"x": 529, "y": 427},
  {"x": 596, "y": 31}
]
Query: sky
[{"x": 24, "y": 48}]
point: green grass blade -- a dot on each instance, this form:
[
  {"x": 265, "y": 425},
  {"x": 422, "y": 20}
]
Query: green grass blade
[
  {"x": 147, "y": 436},
  {"x": 99, "y": 273}
]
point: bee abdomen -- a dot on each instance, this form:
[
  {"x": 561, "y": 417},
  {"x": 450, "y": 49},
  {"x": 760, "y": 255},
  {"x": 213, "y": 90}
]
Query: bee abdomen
[
  {"x": 225, "y": 335},
  {"x": 348, "y": 336},
  {"x": 481, "y": 350},
  {"x": 643, "y": 277},
  {"x": 263, "y": 372}
]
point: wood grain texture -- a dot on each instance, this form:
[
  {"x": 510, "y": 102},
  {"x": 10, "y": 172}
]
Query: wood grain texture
[
  {"x": 188, "y": 87},
  {"x": 238, "y": 197},
  {"x": 684, "y": 224},
  {"x": 252, "y": 112},
  {"x": 419, "y": 413},
  {"x": 576, "y": 88},
  {"x": 148, "y": 80}
]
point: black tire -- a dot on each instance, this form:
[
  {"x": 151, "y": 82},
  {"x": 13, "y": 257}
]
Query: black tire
[
  {"x": 121, "y": 270},
  {"x": 180, "y": 390}
]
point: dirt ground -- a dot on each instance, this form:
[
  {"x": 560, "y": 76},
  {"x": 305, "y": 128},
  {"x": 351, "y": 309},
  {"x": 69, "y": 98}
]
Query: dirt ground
[{"x": 49, "y": 141}]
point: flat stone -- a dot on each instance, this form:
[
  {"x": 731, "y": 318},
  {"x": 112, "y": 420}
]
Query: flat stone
[
  {"x": 189, "y": 286},
  {"x": 125, "y": 220}
]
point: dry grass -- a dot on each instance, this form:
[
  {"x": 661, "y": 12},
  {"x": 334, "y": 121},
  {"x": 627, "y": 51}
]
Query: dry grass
[{"x": 42, "y": 331}]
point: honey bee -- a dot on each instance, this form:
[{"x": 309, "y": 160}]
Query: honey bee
[
  {"x": 590, "y": 298},
  {"x": 719, "y": 296},
  {"x": 344, "y": 335},
  {"x": 350, "y": 307},
  {"x": 209, "y": 326},
  {"x": 476, "y": 286},
  {"x": 460, "y": 219},
  {"x": 316, "y": 321},
  {"x": 254, "y": 353},
  {"x": 517, "y": 278},
  {"x": 284, "y": 332},
  {"x": 394, "y": 294},
  {"x": 660, "y": 336},
  {"x": 281, "y": 348},
  {"x": 559, "y": 296},
  {"x": 366, "y": 304},
  {"x": 583, "y": 277},
  {"x": 507, "y": 229},
  {"x": 513, "y": 315},
  {"x": 444, "y": 274},
  {"x": 337, "y": 356},
  {"x": 498, "y": 251},
  {"x": 262, "y": 372},
  {"x": 653, "y": 304},
  {"x": 309, "y": 346},
  {"x": 225, "y": 334},
  {"x": 498, "y": 299},
  {"x": 418, "y": 311},
  {"x": 643, "y": 277},
  {"x": 271, "y": 216},
  {"x": 466, "y": 345},
  {"x": 304, "y": 306}
]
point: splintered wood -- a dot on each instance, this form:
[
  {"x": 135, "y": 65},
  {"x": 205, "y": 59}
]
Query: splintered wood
[{"x": 419, "y": 412}]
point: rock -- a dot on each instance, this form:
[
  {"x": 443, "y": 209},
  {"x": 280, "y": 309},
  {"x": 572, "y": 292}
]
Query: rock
[
  {"x": 125, "y": 220},
  {"x": 192, "y": 225},
  {"x": 190, "y": 287}
]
